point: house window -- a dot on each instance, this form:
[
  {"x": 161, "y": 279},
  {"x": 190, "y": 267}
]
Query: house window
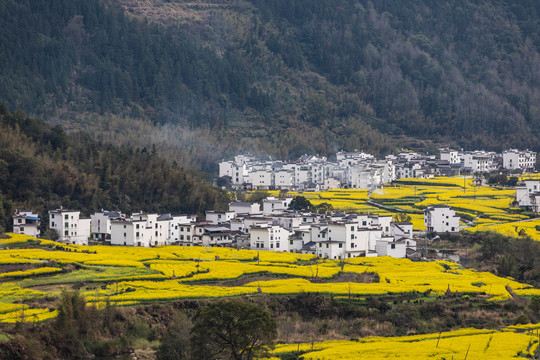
[
  {"x": 340, "y": 246},
  {"x": 52, "y": 216},
  {"x": 352, "y": 228},
  {"x": 66, "y": 217},
  {"x": 66, "y": 225},
  {"x": 125, "y": 235},
  {"x": 124, "y": 226},
  {"x": 21, "y": 230},
  {"x": 137, "y": 234},
  {"x": 137, "y": 226},
  {"x": 392, "y": 246},
  {"x": 19, "y": 220},
  {"x": 181, "y": 237},
  {"x": 277, "y": 245},
  {"x": 327, "y": 246},
  {"x": 66, "y": 233},
  {"x": 188, "y": 237},
  {"x": 320, "y": 244},
  {"x": 363, "y": 223},
  {"x": 352, "y": 236},
  {"x": 290, "y": 242},
  {"x": 52, "y": 224}
]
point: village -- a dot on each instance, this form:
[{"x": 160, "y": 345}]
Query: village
[
  {"x": 359, "y": 170},
  {"x": 271, "y": 224}
]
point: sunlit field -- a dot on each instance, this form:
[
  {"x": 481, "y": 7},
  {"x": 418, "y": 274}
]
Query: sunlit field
[
  {"x": 480, "y": 207},
  {"x": 127, "y": 275},
  {"x": 465, "y": 343}
]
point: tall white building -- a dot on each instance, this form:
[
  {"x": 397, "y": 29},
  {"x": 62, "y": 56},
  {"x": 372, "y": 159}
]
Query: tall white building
[
  {"x": 100, "y": 224},
  {"x": 440, "y": 218},
  {"x": 524, "y": 190},
  {"x": 269, "y": 237},
  {"x": 71, "y": 228}
]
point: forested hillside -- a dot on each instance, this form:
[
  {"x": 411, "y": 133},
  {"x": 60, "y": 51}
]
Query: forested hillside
[
  {"x": 205, "y": 79},
  {"x": 42, "y": 168}
]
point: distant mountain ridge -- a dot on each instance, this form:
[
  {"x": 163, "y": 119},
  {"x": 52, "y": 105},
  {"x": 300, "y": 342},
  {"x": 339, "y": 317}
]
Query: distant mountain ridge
[{"x": 279, "y": 77}]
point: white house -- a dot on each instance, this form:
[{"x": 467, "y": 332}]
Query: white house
[
  {"x": 515, "y": 159},
  {"x": 219, "y": 217},
  {"x": 272, "y": 204},
  {"x": 69, "y": 226},
  {"x": 245, "y": 208},
  {"x": 100, "y": 224},
  {"x": 452, "y": 156},
  {"x": 284, "y": 179},
  {"x": 140, "y": 230},
  {"x": 397, "y": 249},
  {"x": 400, "y": 230},
  {"x": 26, "y": 222},
  {"x": 440, "y": 218},
  {"x": 269, "y": 237},
  {"x": 261, "y": 179},
  {"x": 524, "y": 190},
  {"x": 535, "y": 202}
]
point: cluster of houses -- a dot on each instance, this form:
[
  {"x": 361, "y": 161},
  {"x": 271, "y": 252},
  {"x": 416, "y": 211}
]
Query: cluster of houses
[
  {"x": 247, "y": 225},
  {"x": 363, "y": 171}
]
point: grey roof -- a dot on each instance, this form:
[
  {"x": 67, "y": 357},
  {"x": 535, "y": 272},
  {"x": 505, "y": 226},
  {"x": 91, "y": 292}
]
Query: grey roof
[{"x": 164, "y": 217}]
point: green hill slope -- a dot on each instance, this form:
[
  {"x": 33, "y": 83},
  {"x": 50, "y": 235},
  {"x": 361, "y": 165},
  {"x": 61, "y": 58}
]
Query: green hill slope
[
  {"x": 280, "y": 77},
  {"x": 42, "y": 168}
]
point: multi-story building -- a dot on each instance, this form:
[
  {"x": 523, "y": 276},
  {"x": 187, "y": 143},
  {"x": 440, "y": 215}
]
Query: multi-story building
[
  {"x": 26, "y": 222},
  {"x": 515, "y": 159},
  {"x": 524, "y": 190},
  {"x": 440, "y": 218},
  {"x": 269, "y": 237},
  {"x": 100, "y": 224},
  {"x": 69, "y": 226}
]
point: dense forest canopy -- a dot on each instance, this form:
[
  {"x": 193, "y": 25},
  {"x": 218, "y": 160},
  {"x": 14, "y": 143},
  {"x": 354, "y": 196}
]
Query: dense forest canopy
[
  {"x": 281, "y": 77},
  {"x": 42, "y": 168}
]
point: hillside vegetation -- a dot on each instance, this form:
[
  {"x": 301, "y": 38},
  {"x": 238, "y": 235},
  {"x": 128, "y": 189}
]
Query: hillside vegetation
[
  {"x": 42, "y": 168},
  {"x": 202, "y": 80}
]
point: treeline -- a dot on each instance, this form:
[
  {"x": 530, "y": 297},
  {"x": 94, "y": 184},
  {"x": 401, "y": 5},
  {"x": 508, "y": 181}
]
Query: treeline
[{"x": 42, "y": 168}]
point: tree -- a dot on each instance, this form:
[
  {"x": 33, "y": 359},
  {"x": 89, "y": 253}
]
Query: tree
[
  {"x": 401, "y": 217},
  {"x": 175, "y": 343},
  {"x": 324, "y": 207},
  {"x": 231, "y": 330},
  {"x": 300, "y": 203}
]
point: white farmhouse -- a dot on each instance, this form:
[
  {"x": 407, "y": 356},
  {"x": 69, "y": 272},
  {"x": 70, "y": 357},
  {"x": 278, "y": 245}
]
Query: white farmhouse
[
  {"x": 269, "y": 237},
  {"x": 452, "y": 156},
  {"x": 219, "y": 217},
  {"x": 71, "y": 228},
  {"x": 397, "y": 249},
  {"x": 515, "y": 159},
  {"x": 141, "y": 230},
  {"x": 400, "y": 230},
  {"x": 100, "y": 224},
  {"x": 535, "y": 202},
  {"x": 26, "y": 222},
  {"x": 272, "y": 204},
  {"x": 440, "y": 218},
  {"x": 245, "y": 208},
  {"x": 524, "y": 190}
]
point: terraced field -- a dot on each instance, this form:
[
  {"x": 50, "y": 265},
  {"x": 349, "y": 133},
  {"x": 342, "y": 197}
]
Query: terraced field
[
  {"x": 482, "y": 208},
  {"x": 461, "y": 344},
  {"x": 127, "y": 276}
]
